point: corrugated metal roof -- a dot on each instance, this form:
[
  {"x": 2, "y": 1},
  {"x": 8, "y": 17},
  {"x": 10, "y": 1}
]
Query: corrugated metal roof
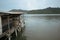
[
  {"x": 6, "y": 13},
  {"x": 14, "y": 12}
]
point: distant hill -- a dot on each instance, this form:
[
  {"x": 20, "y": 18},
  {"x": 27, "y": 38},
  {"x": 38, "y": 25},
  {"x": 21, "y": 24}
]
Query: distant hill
[
  {"x": 48, "y": 10},
  {"x": 45, "y": 11},
  {"x": 17, "y": 10}
]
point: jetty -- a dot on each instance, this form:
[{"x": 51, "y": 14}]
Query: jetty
[{"x": 10, "y": 22}]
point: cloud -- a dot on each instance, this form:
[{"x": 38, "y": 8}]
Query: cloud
[
  {"x": 32, "y": 4},
  {"x": 28, "y": 4}
]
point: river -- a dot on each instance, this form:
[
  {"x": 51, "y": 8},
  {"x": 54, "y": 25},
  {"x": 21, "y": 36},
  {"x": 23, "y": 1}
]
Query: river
[{"x": 41, "y": 27}]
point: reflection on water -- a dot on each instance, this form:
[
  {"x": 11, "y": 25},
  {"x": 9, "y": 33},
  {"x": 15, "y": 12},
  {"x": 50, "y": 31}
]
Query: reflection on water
[
  {"x": 42, "y": 27},
  {"x": 45, "y": 27},
  {"x": 20, "y": 36}
]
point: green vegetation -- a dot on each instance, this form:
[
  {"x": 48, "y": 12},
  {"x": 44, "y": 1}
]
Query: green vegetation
[
  {"x": 45, "y": 11},
  {"x": 39, "y": 11},
  {"x": 17, "y": 10}
]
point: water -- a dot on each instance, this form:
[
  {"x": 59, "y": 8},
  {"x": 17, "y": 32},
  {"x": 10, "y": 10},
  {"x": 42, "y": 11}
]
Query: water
[{"x": 42, "y": 26}]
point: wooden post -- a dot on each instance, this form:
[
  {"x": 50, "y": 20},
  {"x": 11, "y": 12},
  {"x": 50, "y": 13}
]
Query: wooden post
[
  {"x": 9, "y": 38},
  {"x": 15, "y": 25},
  {"x": 16, "y": 32},
  {"x": 0, "y": 26}
]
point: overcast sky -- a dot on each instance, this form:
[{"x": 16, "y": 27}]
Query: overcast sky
[{"x": 28, "y": 4}]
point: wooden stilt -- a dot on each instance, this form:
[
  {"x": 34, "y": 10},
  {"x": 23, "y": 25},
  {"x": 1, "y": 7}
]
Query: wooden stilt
[
  {"x": 9, "y": 38},
  {"x": 16, "y": 32}
]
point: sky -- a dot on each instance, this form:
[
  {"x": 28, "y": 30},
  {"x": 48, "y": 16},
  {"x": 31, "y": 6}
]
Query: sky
[{"x": 27, "y": 4}]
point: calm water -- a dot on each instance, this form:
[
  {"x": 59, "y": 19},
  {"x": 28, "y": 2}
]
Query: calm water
[{"x": 41, "y": 27}]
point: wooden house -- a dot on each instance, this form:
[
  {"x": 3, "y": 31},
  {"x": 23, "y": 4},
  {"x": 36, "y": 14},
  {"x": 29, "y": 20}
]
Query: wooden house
[{"x": 10, "y": 22}]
